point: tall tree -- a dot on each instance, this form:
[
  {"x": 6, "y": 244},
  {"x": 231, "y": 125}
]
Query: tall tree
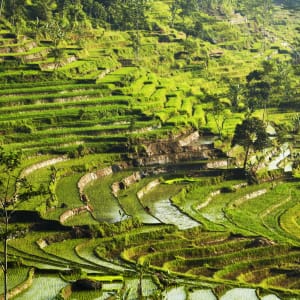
[
  {"x": 8, "y": 197},
  {"x": 257, "y": 90},
  {"x": 251, "y": 135},
  {"x": 220, "y": 114},
  {"x": 174, "y": 9},
  {"x": 188, "y": 7},
  {"x": 129, "y": 14},
  {"x": 1, "y": 7},
  {"x": 42, "y": 9},
  {"x": 14, "y": 11},
  {"x": 235, "y": 91},
  {"x": 260, "y": 11}
]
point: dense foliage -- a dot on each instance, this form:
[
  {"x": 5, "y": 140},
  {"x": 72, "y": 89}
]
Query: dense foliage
[
  {"x": 124, "y": 15},
  {"x": 143, "y": 126}
]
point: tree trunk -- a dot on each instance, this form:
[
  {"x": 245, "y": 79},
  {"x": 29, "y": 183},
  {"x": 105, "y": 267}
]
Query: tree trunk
[
  {"x": 1, "y": 7},
  {"x": 5, "y": 263},
  {"x": 140, "y": 285},
  {"x": 246, "y": 157}
]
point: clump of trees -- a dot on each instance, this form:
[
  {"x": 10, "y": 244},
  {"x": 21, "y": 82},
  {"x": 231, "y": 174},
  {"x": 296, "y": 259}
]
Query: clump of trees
[
  {"x": 73, "y": 13},
  {"x": 123, "y": 14}
]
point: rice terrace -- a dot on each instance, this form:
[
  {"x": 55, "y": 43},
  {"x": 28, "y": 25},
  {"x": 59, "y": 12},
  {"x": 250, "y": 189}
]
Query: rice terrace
[{"x": 150, "y": 149}]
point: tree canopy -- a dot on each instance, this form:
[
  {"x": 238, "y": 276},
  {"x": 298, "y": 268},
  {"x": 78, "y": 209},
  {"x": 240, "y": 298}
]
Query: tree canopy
[
  {"x": 124, "y": 14},
  {"x": 251, "y": 134}
]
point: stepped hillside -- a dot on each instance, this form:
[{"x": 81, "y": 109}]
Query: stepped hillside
[{"x": 121, "y": 177}]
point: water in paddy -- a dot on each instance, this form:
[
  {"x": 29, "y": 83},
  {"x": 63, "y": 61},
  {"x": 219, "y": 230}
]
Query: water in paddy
[
  {"x": 148, "y": 288},
  {"x": 205, "y": 140},
  {"x": 270, "y": 297},
  {"x": 43, "y": 288},
  {"x": 202, "y": 295},
  {"x": 240, "y": 293},
  {"x": 285, "y": 152},
  {"x": 113, "y": 215},
  {"x": 167, "y": 213},
  {"x": 109, "y": 289},
  {"x": 177, "y": 293}
]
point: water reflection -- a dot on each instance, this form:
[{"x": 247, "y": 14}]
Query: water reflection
[{"x": 167, "y": 213}]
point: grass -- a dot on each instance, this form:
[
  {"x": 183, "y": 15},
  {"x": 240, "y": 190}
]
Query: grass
[
  {"x": 65, "y": 250},
  {"x": 66, "y": 190},
  {"x": 43, "y": 88},
  {"x": 86, "y": 295},
  {"x": 257, "y": 206},
  {"x": 15, "y": 277},
  {"x": 86, "y": 250},
  {"x": 289, "y": 221},
  {"x": 28, "y": 249},
  {"x": 159, "y": 96},
  {"x": 24, "y": 54}
]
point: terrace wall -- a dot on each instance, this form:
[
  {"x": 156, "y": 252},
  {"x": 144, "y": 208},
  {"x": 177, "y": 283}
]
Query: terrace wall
[
  {"x": 89, "y": 177},
  {"x": 151, "y": 185},
  {"x": 42, "y": 164},
  {"x": 74, "y": 212}
]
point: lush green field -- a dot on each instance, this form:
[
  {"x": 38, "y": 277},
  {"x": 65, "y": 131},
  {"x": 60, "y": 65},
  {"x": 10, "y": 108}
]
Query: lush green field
[{"x": 129, "y": 179}]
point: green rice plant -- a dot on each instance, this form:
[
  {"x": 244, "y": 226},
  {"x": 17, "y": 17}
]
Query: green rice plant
[
  {"x": 24, "y": 54},
  {"x": 86, "y": 295},
  {"x": 262, "y": 205},
  {"x": 147, "y": 90},
  {"x": 28, "y": 249},
  {"x": 228, "y": 265},
  {"x": 163, "y": 115},
  {"x": 84, "y": 218},
  {"x": 87, "y": 251},
  {"x": 187, "y": 106},
  {"x": 19, "y": 73},
  {"x": 271, "y": 220},
  {"x": 55, "y": 87},
  {"x": 16, "y": 276},
  {"x": 177, "y": 120},
  {"x": 263, "y": 266},
  {"x": 199, "y": 237},
  {"x": 213, "y": 210},
  {"x": 281, "y": 279},
  {"x": 211, "y": 250},
  {"x": 290, "y": 221},
  {"x": 39, "y": 181},
  {"x": 42, "y": 84},
  {"x": 109, "y": 246},
  {"x": 23, "y": 99},
  {"x": 170, "y": 256},
  {"x": 133, "y": 253},
  {"x": 66, "y": 189},
  {"x": 174, "y": 102},
  {"x": 254, "y": 276},
  {"x": 65, "y": 250},
  {"x": 159, "y": 94},
  {"x": 56, "y": 110}
]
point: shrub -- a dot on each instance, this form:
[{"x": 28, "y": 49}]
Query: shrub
[{"x": 23, "y": 128}]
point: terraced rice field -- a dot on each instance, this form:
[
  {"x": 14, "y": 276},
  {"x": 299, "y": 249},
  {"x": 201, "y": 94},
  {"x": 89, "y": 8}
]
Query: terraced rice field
[
  {"x": 125, "y": 192},
  {"x": 238, "y": 235}
]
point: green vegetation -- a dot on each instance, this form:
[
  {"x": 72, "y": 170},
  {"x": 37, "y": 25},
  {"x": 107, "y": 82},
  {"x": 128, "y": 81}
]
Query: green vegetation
[{"x": 149, "y": 149}]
